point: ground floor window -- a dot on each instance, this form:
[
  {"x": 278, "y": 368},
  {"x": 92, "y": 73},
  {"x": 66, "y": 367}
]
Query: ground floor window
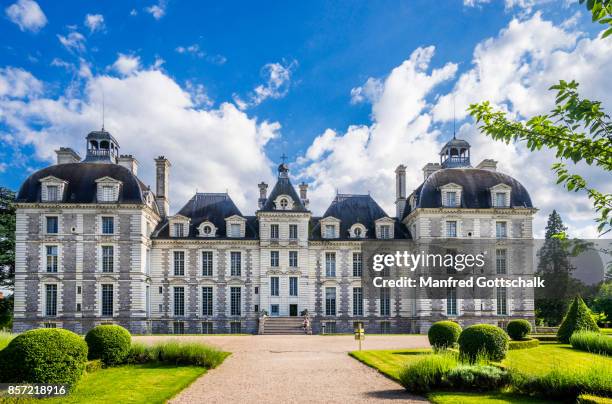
[
  {"x": 235, "y": 327},
  {"x": 51, "y": 300},
  {"x": 329, "y": 327},
  {"x": 451, "y": 301},
  {"x": 50, "y": 325},
  {"x": 235, "y": 301},
  {"x": 502, "y": 303},
  {"x": 385, "y": 302},
  {"x": 107, "y": 300},
  {"x": 178, "y": 327},
  {"x": 385, "y": 327},
  {"x": 207, "y": 327},
  {"x": 330, "y": 301},
  {"x": 357, "y": 301}
]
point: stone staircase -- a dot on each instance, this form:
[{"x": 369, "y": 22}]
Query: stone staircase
[{"x": 283, "y": 326}]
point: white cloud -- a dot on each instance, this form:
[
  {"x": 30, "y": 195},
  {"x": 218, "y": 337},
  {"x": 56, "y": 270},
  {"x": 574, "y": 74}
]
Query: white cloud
[
  {"x": 27, "y": 14},
  {"x": 95, "y": 22},
  {"x": 74, "y": 41},
  {"x": 157, "y": 10},
  {"x": 126, "y": 64},
  {"x": 370, "y": 91},
  {"x": 192, "y": 50},
  {"x": 523, "y": 5},
  {"x": 16, "y": 83},
  {"x": 151, "y": 115},
  {"x": 133, "y": 12},
  {"x": 278, "y": 80}
]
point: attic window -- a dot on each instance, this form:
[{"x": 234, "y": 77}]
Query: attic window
[
  {"x": 284, "y": 203},
  {"x": 52, "y": 193},
  {"x": 207, "y": 230},
  {"x": 179, "y": 230},
  {"x": 357, "y": 232}
]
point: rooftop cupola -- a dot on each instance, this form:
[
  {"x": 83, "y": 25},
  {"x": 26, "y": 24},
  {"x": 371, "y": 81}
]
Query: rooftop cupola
[
  {"x": 455, "y": 154},
  {"x": 102, "y": 147},
  {"x": 283, "y": 170}
]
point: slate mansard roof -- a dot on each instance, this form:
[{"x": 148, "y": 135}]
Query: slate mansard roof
[
  {"x": 352, "y": 209},
  {"x": 81, "y": 183},
  {"x": 475, "y": 192},
  {"x": 211, "y": 207}
]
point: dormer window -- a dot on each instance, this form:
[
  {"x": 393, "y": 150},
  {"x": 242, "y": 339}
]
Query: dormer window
[
  {"x": 108, "y": 189},
  {"x": 451, "y": 195},
  {"x": 330, "y": 231},
  {"x": 500, "y": 196},
  {"x": 451, "y": 199},
  {"x": 235, "y": 226},
  {"x": 385, "y": 231},
  {"x": 179, "y": 230},
  {"x": 357, "y": 231},
  {"x": 207, "y": 229},
  {"x": 384, "y": 228},
  {"x": 330, "y": 227},
  {"x": 179, "y": 226},
  {"x": 52, "y": 189},
  {"x": 283, "y": 202},
  {"x": 52, "y": 193}
]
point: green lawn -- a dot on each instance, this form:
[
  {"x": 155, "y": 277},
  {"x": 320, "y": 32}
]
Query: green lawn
[
  {"x": 151, "y": 383},
  {"x": 531, "y": 361}
]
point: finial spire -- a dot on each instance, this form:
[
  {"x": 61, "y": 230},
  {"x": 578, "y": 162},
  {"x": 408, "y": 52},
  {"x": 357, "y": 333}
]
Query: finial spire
[
  {"x": 284, "y": 158},
  {"x": 454, "y": 117}
]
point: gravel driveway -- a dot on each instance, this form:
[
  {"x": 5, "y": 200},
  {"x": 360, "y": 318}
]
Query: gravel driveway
[{"x": 295, "y": 369}]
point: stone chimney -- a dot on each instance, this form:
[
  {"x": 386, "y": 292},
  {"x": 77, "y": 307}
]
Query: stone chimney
[
  {"x": 429, "y": 169},
  {"x": 128, "y": 161},
  {"x": 162, "y": 175},
  {"x": 263, "y": 194},
  {"x": 400, "y": 190},
  {"x": 304, "y": 194},
  {"x": 487, "y": 164},
  {"x": 65, "y": 155}
]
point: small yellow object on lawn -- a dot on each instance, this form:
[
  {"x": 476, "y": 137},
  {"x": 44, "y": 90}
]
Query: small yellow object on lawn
[{"x": 359, "y": 335}]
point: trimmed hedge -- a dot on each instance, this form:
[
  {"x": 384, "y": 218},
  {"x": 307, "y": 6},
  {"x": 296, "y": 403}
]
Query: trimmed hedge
[
  {"x": 443, "y": 334},
  {"x": 578, "y": 318},
  {"x": 45, "y": 355},
  {"x": 518, "y": 329},
  {"x": 485, "y": 340},
  {"x": 477, "y": 378},
  {"x": 524, "y": 344},
  {"x": 593, "y": 342},
  {"x": 110, "y": 343}
]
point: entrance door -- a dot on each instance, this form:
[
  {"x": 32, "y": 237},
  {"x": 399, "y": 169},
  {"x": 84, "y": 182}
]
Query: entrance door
[{"x": 293, "y": 310}]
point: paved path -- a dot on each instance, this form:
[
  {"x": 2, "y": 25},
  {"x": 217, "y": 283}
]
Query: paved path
[{"x": 296, "y": 369}]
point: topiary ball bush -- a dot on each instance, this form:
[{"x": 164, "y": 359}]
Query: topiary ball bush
[
  {"x": 110, "y": 343},
  {"x": 578, "y": 318},
  {"x": 45, "y": 355},
  {"x": 518, "y": 329},
  {"x": 483, "y": 339},
  {"x": 444, "y": 334}
]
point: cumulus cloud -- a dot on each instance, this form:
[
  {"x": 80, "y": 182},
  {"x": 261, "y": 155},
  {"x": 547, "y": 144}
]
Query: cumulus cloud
[
  {"x": 17, "y": 83},
  {"x": 27, "y": 14},
  {"x": 191, "y": 49},
  {"x": 95, "y": 22},
  {"x": 514, "y": 71},
  {"x": 278, "y": 80},
  {"x": 126, "y": 64},
  {"x": 157, "y": 10},
  {"x": 150, "y": 115},
  {"x": 73, "y": 42}
]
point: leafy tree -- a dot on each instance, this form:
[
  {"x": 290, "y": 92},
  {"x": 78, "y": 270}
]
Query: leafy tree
[
  {"x": 602, "y": 303},
  {"x": 601, "y": 11},
  {"x": 6, "y": 312},
  {"x": 7, "y": 238},
  {"x": 578, "y": 318}
]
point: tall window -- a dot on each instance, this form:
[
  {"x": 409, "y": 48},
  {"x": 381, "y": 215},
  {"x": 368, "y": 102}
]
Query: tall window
[
  {"x": 108, "y": 258},
  {"x": 52, "y": 227},
  {"x": 330, "y": 301},
  {"x": 235, "y": 301},
  {"x": 501, "y": 229},
  {"x": 52, "y": 193},
  {"x": 107, "y": 193},
  {"x": 385, "y": 231},
  {"x": 451, "y": 301},
  {"x": 293, "y": 286},
  {"x": 274, "y": 232},
  {"x": 330, "y": 231},
  {"x": 500, "y": 199},
  {"x": 108, "y": 225},
  {"x": 358, "y": 301},
  {"x": 51, "y": 258},
  {"x": 502, "y": 303},
  {"x": 207, "y": 300},
  {"x": 357, "y": 264},
  {"x": 274, "y": 286},
  {"x": 107, "y": 300},
  {"x": 330, "y": 264},
  {"x": 234, "y": 230},
  {"x": 179, "y": 301},
  {"x": 500, "y": 261},
  {"x": 51, "y": 300},
  {"x": 451, "y": 228},
  {"x": 385, "y": 302},
  {"x": 293, "y": 231},
  {"x": 178, "y": 327},
  {"x": 207, "y": 263},
  {"x": 451, "y": 199},
  {"x": 274, "y": 258},
  {"x": 179, "y": 263},
  {"x": 179, "y": 230},
  {"x": 293, "y": 259},
  {"x": 207, "y": 327},
  {"x": 235, "y": 263}
]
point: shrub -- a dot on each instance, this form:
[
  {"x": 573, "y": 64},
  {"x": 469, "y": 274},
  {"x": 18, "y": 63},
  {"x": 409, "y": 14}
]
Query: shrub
[
  {"x": 477, "y": 378},
  {"x": 443, "y": 334},
  {"x": 483, "y": 339},
  {"x": 518, "y": 329},
  {"x": 578, "y": 318},
  {"x": 139, "y": 354},
  {"x": 110, "y": 343},
  {"x": 54, "y": 356},
  {"x": 5, "y": 338},
  {"x": 591, "y": 341},
  {"x": 524, "y": 344},
  {"x": 545, "y": 337},
  {"x": 93, "y": 366},
  {"x": 188, "y": 353},
  {"x": 427, "y": 373}
]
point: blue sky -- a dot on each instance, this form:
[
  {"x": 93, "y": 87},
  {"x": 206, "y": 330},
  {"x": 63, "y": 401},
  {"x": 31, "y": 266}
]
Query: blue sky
[{"x": 263, "y": 79}]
